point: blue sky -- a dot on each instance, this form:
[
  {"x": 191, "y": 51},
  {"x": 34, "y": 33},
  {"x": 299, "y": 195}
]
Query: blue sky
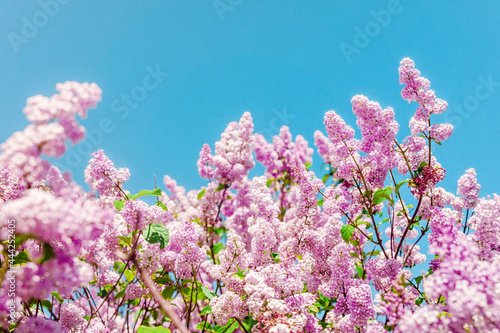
[{"x": 287, "y": 62}]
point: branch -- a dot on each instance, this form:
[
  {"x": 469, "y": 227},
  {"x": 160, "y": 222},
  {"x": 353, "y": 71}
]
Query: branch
[{"x": 165, "y": 305}]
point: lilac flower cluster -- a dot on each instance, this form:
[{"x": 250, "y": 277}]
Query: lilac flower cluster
[
  {"x": 280, "y": 155},
  {"x": 53, "y": 122},
  {"x": 102, "y": 176},
  {"x": 233, "y": 153},
  {"x": 288, "y": 251}
]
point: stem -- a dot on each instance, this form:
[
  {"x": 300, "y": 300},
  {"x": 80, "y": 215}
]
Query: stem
[
  {"x": 164, "y": 304},
  {"x": 370, "y": 213},
  {"x": 424, "y": 231},
  {"x": 408, "y": 227},
  {"x": 229, "y": 326},
  {"x": 241, "y": 325},
  {"x": 406, "y": 160},
  {"x": 355, "y": 226}
]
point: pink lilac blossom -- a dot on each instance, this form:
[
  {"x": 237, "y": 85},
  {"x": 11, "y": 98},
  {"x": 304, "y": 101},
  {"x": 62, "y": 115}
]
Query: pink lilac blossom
[
  {"x": 68, "y": 226},
  {"x": 266, "y": 242},
  {"x": 233, "y": 153},
  {"x": 445, "y": 227},
  {"x": 238, "y": 211},
  {"x": 310, "y": 187},
  {"x": 11, "y": 185},
  {"x": 383, "y": 272},
  {"x": 103, "y": 177},
  {"x": 397, "y": 302},
  {"x": 39, "y": 324},
  {"x": 427, "y": 179},
  {"x": 228, "y": 305},
  {"x": 468, "y": 191},
  {"x": 345, "y": 147},
  {"x": 71, "y": 316},
  {"x": 359, "y": 301},
  {"x": 325, "y": 147},
  {"x": 417, "y": 89},
  {"x": 441, "y": 132},
  {"x": 378, "y": 129},
  {"x": 53, "y": 123},
  {"x": 233, "y": 258},
  {"x": 486, "y": 226},
  {"x": 183, "y": 254},
  {"x": 282, "y": 153},
  {"x": 463, "y": 293}
]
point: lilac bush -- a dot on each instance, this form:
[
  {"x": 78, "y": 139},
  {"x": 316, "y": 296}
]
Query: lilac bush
[{"x": 287, "y": 251}]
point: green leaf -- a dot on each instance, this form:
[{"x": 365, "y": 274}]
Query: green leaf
[
  {"x": 161, "y": 205},
  {"x": 320, "y": 202},
  {"x": 276, "y": 257},
  {"x": 127, "y": 240},
  {"x": 269, "y": 182},
  {"x": 208, "y": 293},
  {"x": 313, "y": 309},
  {"x": 21, "y": 258},
  {"x": 163, "y": 280},
  {"x": 400, "y": 184},
  {"x": 206, "y": 309},
  {"x": 157, "y": 233},
  {"x": 201, "y": 193},
  {"x": 249, "y": 323},
  {"x": 57, "y": 296},
  {"x": 346, "y": 232},
  {"x": 418, "y": 279},
  {"x": 221, "y": 187},
  {"x": 119, "y": 204},
  {"x": 168, "y": 292},
  {"x": 119, "y": 294},
  {"x": 308, "y": 165},
  {"x": 158, "y": 329},
  {"x": 156, "y": 192},
  {"x": 219, "y": 231},
  {"x": 129, "y": 275},
  {"x": 48, "y": 252},
  {"x": 381, "y": 195},
  {"x": 325, "y": 178},
  {"x": 381, "y": 198},
  {"x": 46, "y": 304},
  {"x": 228, "y": 328},
  {"x": 360, "y": 271},
  {"x": 21, "y": 238},
  {"x": 240, "y": 273},
  {"x": 218, "y": 247},
  {"x": 368, "y": 224},
  {"x": 420, "y": 167},
  {"x": 205, "y": 325}
]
